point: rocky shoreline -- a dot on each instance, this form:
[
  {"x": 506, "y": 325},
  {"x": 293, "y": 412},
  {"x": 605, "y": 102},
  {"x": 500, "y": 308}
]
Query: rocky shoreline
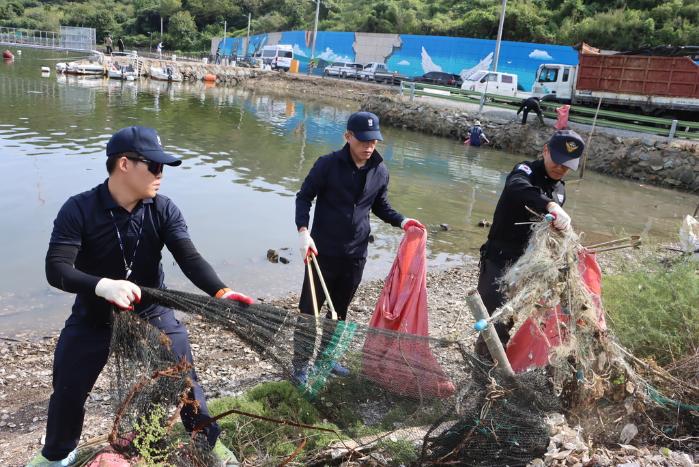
[
  {"x": 227, "y": 367},
  {"x": 635, "y": 156}
]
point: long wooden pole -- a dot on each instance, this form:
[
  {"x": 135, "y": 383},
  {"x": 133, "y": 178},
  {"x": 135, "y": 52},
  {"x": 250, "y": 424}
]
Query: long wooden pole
[{"x": 475, "y": 303}]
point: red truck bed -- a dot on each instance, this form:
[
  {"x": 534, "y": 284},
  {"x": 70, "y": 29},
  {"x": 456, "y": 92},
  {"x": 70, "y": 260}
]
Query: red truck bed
[{"x": 638, "y": 74}]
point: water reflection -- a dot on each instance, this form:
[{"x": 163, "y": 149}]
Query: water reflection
[{"x": 245, "y": 154}]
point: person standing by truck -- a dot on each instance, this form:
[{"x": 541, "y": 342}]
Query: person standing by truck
[{"x": 531, "y": 104}]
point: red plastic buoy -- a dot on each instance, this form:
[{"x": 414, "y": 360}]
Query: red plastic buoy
[{"x": 7, "y": 55}]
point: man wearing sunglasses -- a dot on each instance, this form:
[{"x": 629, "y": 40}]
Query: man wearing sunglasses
[{"x": 106, "y": 242}]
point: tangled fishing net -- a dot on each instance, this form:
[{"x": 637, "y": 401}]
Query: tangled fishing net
[{"x": 435, "y": 400}]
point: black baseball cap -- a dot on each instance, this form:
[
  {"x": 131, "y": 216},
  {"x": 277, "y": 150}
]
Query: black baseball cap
[
  {"x": 566, "y": 147},
  {"x": 142, "y": 140},
  {"x": 364, "y": 126}
]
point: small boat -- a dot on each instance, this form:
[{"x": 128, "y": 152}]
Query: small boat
[
  {"x": 126, "y": 73},
  {"x": 165, "y": 74},
  {"x": 85, "y": 68},
  {"x": 210, "y": 77},
  {"x": 7, "y": 55},
  {"x": 61, "y": 67}
]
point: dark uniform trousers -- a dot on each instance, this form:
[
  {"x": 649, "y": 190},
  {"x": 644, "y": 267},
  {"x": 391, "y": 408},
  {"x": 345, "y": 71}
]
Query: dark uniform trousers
[
  {"x": 342, "y": 277},
  {"x": 80, "y": 356},
  {"x": 489, "y": 290},
  {"x": 538, "y": 114}
]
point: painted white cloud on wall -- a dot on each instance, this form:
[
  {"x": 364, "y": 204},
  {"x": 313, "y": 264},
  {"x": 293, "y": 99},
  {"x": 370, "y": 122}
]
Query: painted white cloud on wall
[
  {"x": 329, "y": 56},
  {"x": 540, "y": 55},
  {"x": 298, "y": 51},
  {"x": 403, "y": 63}
]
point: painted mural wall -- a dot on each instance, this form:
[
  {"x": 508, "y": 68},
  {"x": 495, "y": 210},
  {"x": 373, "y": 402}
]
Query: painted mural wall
[{"x": 407, "y": 54}]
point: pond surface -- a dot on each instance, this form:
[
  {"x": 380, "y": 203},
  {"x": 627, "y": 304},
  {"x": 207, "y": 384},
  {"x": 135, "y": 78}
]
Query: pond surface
[{"x": 245, "y": 154}]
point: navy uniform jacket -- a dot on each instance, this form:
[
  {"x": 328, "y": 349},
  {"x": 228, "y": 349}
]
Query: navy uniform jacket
[
  {"x": 527, "y": 185},
  {"x": 341, "y": 219}
]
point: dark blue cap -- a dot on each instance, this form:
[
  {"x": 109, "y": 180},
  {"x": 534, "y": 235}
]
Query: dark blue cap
[
  {"x": 566, "y": 147},
  {"x": 142, "y": 140},
  {"x": 364, "y": 126}
]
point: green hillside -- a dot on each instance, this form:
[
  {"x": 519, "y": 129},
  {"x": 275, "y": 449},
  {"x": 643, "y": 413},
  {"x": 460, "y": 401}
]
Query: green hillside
[{"x": 190, "y": 24}]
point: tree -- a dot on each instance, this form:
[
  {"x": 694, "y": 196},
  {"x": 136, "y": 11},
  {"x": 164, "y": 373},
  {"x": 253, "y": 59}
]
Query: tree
[{"x": 182, "y": 30}]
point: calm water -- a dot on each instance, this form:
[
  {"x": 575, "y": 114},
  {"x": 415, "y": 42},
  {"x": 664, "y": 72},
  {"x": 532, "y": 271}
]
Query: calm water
[{"x": 245, "y": 155}]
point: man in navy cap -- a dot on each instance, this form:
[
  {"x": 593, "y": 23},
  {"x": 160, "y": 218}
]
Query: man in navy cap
[
  {"x": 105, "y": 244},
  {"x": 536, "y": 185},
  {"x": 347, "y": 185}
]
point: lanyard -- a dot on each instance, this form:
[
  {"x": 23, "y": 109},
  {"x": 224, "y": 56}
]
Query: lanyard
[{"x": 128, "y": 266}]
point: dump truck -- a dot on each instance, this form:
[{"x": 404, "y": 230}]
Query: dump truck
[{"x": 654, "y": 84}]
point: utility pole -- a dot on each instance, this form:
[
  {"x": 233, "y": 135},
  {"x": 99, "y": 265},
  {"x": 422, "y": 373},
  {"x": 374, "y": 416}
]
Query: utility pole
[
  {"x": 315, "y": 33},
  {"x": 247, "y": 41},
  {"x": 497, "y": 52},
  {"x": 161, "y": 27},
  {"x": 497, "y": 43},
  {"x": 223, "y": 44}
]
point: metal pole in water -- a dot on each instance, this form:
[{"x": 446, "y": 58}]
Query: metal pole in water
[
  {"x": 480, "y": 313},
  {"x": 589, "y": 138}
]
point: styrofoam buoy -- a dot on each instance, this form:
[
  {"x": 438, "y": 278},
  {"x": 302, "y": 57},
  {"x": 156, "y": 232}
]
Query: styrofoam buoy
[
  {"x": 19, "y": 52},
  {"x": 45, "y": 69},
  {"x": 480, "y": 325}
]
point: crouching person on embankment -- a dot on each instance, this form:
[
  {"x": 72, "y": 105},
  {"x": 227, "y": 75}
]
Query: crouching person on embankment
[{"x": 106, "y": 242}]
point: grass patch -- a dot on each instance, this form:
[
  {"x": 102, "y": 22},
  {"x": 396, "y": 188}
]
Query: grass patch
[
  {"x": 654, "y": 308},
  {"x": 257, "y": 439}
]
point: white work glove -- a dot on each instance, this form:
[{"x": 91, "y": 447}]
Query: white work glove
[
  {"x": 561, "y": 219},
  {"x": 121, "y": 293},
  {"x": 307, "y": 244}
]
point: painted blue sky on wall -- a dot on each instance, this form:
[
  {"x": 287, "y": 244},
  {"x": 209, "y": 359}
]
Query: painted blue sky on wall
[{"x": 417, "y": 54}]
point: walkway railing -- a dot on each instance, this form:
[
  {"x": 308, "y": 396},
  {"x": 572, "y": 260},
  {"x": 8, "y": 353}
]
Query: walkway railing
[
  {"x": 605, "y": 118},
  {"x": 31, "y": 37}
]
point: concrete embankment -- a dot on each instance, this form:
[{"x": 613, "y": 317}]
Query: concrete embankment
[
  {"x": 629, "y": 155},
  {"x": 194, "y": 71},
  {"x": 649, "y": 160}
]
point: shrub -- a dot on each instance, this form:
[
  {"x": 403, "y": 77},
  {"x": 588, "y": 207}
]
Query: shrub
[{"x": 654, "y": 309}]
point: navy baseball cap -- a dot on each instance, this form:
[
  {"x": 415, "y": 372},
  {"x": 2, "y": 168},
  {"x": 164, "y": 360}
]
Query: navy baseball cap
[
  {"x": 566, "y": 147},
  {"x": 364, "y": 126},
  {"x": 142, "y": 140}
]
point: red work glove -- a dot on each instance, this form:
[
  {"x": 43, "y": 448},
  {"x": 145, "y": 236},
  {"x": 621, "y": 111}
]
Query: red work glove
[
  {"x": 408, "y": 222},
  {"x": 228, "y": 294}
]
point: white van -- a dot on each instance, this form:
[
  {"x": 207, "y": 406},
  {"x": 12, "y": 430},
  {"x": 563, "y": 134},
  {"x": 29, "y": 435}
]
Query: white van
[
  {"x": 279, "y": 57},
  {"x": 493, "y": 82}
]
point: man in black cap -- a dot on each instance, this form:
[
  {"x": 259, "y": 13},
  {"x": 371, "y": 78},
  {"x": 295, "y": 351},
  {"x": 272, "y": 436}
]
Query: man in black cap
[
  {"x": 536, "y": 185},
  {"x": 347, "y": 185},
  {"x": 531, "y": 104},
  {"x": 106, "y": 242}
]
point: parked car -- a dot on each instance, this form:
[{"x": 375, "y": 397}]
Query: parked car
[
  {"x": 441, "y": 78},
  {"x": 342, "y": 69},
  {"x": 378, "y": 72}
]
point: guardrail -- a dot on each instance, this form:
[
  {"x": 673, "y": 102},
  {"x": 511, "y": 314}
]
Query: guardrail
[
  {"x": 30, "y": 37},
  {"x": 605, "y": 118}
]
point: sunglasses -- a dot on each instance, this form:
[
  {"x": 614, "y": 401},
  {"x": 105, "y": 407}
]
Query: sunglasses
[{"x": 156, "y": 168}]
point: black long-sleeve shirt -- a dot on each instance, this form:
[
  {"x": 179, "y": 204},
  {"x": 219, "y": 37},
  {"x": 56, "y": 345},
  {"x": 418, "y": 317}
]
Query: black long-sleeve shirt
[
  {"x": 85, "y": 247},
  {"x": 527, "y": 185}
]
